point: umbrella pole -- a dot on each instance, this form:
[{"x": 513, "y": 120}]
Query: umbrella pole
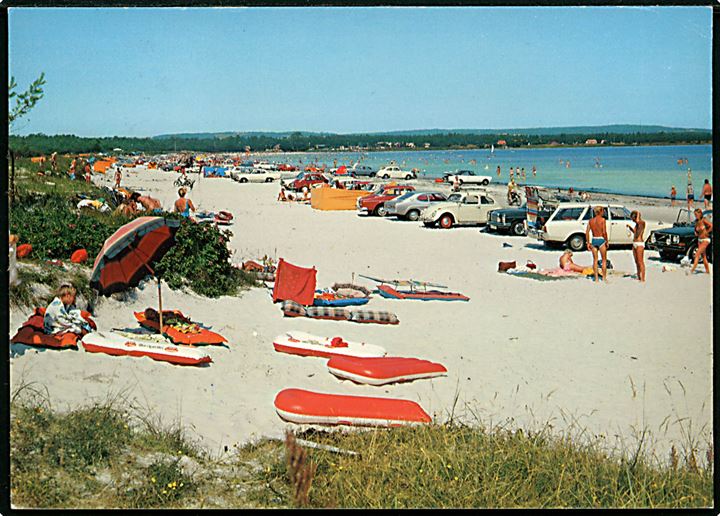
[{"x": 160, "y": 305}]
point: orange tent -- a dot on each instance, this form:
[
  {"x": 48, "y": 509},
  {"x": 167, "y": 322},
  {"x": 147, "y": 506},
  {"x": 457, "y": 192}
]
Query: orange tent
[
  {"x": 38, "y": 159},
  {"x": 101, "y": 166},
  {"x": 327, "y": 198}
]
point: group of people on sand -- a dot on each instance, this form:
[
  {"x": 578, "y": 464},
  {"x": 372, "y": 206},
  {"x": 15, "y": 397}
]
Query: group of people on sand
[
  {"x": 598, "y": 243},
  {"x": 706, "y": 193}
]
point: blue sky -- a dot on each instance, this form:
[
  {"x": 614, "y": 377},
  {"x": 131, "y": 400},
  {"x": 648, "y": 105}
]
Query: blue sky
[{"x": 142, "y": 72}]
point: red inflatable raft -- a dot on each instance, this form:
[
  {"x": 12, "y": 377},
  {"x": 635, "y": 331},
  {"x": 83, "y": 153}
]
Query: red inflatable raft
[
  {"x": 382, "y": 370},
  {"x": 306, "y": 407},
  {"x": 428, "y": 295},
  {"x": 201, "y": 336}
]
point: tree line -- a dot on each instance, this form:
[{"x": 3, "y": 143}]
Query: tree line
[{"x": 35, "y": 144}]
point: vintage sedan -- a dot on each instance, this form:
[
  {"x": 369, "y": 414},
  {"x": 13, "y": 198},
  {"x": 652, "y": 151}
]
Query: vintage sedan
[
  {"x": 375, "y": 204},
  {"x": 567, "y": 225},
  {"x": 409, "y": 206},
  {"x": 469, "y": 208},
  {"x": 254, "y": 175},
  {"x": 467, "y": 177},
  {"x": 680, "y": 239},
  {"x": 512, "y": 220}
]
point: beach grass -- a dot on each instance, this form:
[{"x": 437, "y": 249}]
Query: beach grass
[{"x": 104, "y": 455}]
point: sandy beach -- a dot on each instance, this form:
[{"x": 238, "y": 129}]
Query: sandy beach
[{"x": 614, "y": 359}]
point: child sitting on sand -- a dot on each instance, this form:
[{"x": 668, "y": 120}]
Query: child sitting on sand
[{"x": 61, "y": 314}]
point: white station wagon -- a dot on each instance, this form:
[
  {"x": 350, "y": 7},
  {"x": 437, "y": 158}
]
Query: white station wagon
[
  {"x": 255, "y": 175},
  {"x": 569, "y": 221}
]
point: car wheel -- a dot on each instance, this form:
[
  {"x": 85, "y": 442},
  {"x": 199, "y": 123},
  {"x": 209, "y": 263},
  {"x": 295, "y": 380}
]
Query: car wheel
[
  {"x": 386, "y": 176},
  {"x": 371, "y": 174},
  {"x": 269, "y": 180},
  {"x": 412, "y": 215},
  {"x": 446, "y": 221},
  {"x": 485, "y": 182},
  {"x": 243, "y": 180},
  {"x": 518, "y": 229},
  {"x": 693, "y": 250},
  {"x": 305, "y": 189},
  {"x": 380, "y": 211},
  {"x": 576, "y": 242},
  {"x": 408, "y": 177},
  {"x": 460, "y": 182}
]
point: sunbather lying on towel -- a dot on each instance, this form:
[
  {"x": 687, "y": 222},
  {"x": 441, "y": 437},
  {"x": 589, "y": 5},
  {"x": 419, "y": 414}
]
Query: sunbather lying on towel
[
  {"x": 61, "y": 314},
  {"x": 567, "y": 264}
]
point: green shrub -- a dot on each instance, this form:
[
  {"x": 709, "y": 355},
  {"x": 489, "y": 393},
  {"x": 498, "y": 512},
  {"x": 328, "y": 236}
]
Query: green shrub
[
  {"x": 55, "y": 228},
  {"x": 200, "y": 260}
]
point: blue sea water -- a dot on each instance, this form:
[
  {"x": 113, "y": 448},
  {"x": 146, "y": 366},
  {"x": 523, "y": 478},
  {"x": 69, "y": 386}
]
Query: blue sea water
[{"x": 631, "y": 170}]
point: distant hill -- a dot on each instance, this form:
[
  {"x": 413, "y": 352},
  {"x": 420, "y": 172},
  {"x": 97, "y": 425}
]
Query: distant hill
[{"x": 588, "y": 129}]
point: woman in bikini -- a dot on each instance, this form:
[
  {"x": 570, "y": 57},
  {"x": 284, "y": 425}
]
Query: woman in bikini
[
  {"x": 703, "y": 230},
  {"x": 638, "y": 243},
  {"x": 567, "y": 264},
  {"x": 599, "y": 241},
  {"x": 183, "y": 206}
]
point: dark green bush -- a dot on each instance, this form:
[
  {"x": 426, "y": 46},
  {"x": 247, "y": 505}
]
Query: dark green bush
[{"x": 200, "y": 260}]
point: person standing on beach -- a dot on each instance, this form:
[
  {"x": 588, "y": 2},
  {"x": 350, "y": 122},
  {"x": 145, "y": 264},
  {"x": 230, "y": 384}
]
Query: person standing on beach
[
  {"x": 522, "y": 173},
  {"x": 118, "y": 177},
  {"x": 183, "y": 206},
  {"x": 512, "y": 173},
  {"x": 498, "y": 171},
  {"x": 707, "y": 194},
  {"x": 534, "y": 171},
  {"x": 703, "y": 230},
  {"x": 638, "y": 243},
  {"x": 599, "y": 241},
  {"x": 690, "y": 192},
  {"x": 53, "y": 162},
  {"x": 673, "y": 195}
]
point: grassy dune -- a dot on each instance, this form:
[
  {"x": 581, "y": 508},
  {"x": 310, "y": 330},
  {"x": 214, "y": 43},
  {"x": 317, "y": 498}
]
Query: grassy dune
[{"x": 105, "y": 455}]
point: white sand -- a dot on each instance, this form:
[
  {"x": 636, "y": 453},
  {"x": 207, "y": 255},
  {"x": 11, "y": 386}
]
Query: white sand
[{"x": 612, "y": 358}]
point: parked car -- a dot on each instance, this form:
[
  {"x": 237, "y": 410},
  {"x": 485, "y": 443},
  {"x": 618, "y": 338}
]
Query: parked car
[
  {"x": 394, "y": 172},
  {"x": 358, "y": 170},
  {"x": 678, "y": 240},
  {"x": 410, "y": 205},
  {"x": 284, "y": 167},
  {"x": 461, "y": 209},
  {"x": 254, "y": 175},
  {"x": 467, "y": 177},
  {"x": 567, "y": 225},
  {"x": 512, "y": 220},
  {"x": 305, "y": 180},
  {"x": 374, "y": 204}
]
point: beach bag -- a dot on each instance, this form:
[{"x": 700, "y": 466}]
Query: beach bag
[
  {"x": 23, "y": 250},
  {"x": 327, "y": 312},
  {"x": 79, "y": 256},
  {"x": 505, "y": 266},
  {"x": 374, "y": 316},
  {"x": 293, "y": 309}
]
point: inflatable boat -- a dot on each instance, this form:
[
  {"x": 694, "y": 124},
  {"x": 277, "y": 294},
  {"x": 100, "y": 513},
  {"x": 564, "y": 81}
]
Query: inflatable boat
[
  {"x": 307, "y": 407},
  {"x": 305, "y": 344},
  {"x": 134, "y": 345},
  {"x": 383, "y": 370}
]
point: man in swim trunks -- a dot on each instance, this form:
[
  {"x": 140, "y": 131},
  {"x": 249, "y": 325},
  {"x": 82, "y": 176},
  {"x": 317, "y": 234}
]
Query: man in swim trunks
[
  {"x": 707, "y": 193},
  {"x": 599, "y": 240},
  {"x": 703, "y": 230},
  {"x": 148, "y": 203},
  {"x": 638, "y": 243},
  {"x": 183, "y": 205},
  {"x": 690, "y": 193},
  {"x": 673, "y": 195}
]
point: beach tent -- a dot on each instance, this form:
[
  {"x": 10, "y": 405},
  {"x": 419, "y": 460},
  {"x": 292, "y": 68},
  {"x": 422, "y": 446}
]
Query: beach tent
[
  {"x": 214, "y": 171},
  {"x": 294, "y": 283},
  {"x": 101, "y": 166},
  {"x": 327, "y": 198}
]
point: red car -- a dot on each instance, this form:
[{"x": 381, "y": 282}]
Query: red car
[
  {"x": 375, "y": 204},
  {"x": 306, "y": 180},
  {"x": 284, "y": 167}
]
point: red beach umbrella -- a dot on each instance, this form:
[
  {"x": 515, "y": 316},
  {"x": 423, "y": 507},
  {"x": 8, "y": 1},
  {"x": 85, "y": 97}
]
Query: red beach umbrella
[{"x": 129, "y": 254}]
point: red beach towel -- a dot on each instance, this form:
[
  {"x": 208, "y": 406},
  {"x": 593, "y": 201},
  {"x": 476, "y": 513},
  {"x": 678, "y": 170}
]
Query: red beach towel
[{"x": 294, "y": 283}]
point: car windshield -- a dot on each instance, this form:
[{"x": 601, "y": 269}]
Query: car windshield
[
  {"x": 466, "y": 173},
  {"x": 406, "y": 195},
  {"x": 456, "y": 197}
]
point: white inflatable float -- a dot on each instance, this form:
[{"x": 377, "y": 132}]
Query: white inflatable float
[
  {"x": 305, "y": 344},
  {"x": 139, "y": 345}
]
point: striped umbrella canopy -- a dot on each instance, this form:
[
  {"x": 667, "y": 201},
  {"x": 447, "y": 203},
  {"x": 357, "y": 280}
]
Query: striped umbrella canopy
[{"x": 128, "y": 255}]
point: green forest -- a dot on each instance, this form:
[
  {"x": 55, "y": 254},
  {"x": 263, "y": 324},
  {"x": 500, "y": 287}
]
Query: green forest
[{"x": 34, "y": 144}]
